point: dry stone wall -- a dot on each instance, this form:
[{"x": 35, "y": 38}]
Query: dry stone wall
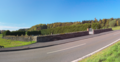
[
  {"x": 102, "y": 30},
  {"x": 54, "y": 37}
]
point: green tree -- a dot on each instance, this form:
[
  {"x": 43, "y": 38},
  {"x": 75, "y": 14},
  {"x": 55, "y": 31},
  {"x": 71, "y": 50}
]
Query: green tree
[
  {"x": 96, "y": 20},
  {"x": 107, "y": 24},
  {"x": 112, "y": 23},
  {"x": 112, "y": 18},
  {"x": 100, "y": 21},
  {"x": 96, "y": 26}
]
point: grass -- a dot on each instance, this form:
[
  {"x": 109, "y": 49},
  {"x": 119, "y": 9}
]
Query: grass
[
  {"x": 113, "y": 28},
  {"x": 116, "y": 28},
  {"x": 10, "y": 43},
  {"x": 110, "y": 54}
]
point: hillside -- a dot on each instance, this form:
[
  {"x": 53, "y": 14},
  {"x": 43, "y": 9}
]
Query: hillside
[{"x": 103, "y": 23}]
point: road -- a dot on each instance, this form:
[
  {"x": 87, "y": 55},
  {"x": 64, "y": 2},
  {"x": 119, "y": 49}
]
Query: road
[{"x": 63, "y": 52}]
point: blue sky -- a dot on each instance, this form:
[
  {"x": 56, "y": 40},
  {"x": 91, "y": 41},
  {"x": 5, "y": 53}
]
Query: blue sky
[{"x": 16, "y": 14}]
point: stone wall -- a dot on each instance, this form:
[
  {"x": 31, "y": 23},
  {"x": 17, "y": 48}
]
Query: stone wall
[
  {"x": 61, "y": 36},
  {"x": 47, "y": 38},
  {"x": 21, "y": 38},
  {"x": 102, "y": 30},
  {"x": 54, "y": 37}
]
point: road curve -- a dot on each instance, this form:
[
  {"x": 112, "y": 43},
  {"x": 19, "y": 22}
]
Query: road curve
[{"x": 63, "y": 52}]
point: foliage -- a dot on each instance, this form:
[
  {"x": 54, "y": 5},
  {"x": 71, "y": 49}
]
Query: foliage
[
  {"x": 23, "y": 29},
  {"x": 6, "y": 33},
  {"x": 96, "y": 20},
  {"x": 66, "y": 29},
  {"x": 38, "y": 27},
  {"x": 19, "y": 33},
  {"x": 118, "y": 22},
  {"x": 33, "y": 33},
  {"x": 112, "y": 23},
  {"x": 100, "y": 21},
  {"x": 58, "y": 26},
  {"x": 95, "y": 26},
  {"x": 15, "y": 33},
  {"x": 107, "y": 24}
]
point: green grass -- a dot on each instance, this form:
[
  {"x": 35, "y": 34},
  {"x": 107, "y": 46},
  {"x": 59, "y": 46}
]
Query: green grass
[
  {"x": 113, "y": 28},
  {"x": 110, "y": 54},
  {"x": 10, "y": 43},
  {"x": 116, "y": 28}
]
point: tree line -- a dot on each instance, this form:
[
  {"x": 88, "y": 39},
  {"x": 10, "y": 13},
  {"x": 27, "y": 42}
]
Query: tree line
[
  {"x": 104, "y": 23},
  {"x": 58, "y": 27}
]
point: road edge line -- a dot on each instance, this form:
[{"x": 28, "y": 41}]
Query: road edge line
[{"x": 95, "y": 51}]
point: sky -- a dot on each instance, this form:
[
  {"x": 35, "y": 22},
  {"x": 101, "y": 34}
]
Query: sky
[{"x": 18, "y": 14}]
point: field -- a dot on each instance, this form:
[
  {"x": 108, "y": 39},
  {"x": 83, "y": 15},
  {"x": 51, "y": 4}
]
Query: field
[
  {"x": 110, "y": 54},
  {"x": 116, "y": 28},
  {"x": 9, "y": 43}
]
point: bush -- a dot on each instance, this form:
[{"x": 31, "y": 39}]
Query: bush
[
  {"x": 66, "y": 29},
  {"x": 15, "y": 33},
  {"x": 95, "y": 25},
  {"x": 6, "y": 33},
  {"x": 112, "y": 23},
  {"x": 33, "y": 33},
  {"x": 19, "y": 33}
]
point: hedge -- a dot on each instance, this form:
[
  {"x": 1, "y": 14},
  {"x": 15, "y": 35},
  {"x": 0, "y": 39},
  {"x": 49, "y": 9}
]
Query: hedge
[
  {"x": 66, "y": 29},
  {"x": 95, "y": 26},
  {"x": 6, "y": 33},
  {"x": 19, "y": 33},
  {"x": 15, "y": 33},
  {"x": 33, "y": 33}
]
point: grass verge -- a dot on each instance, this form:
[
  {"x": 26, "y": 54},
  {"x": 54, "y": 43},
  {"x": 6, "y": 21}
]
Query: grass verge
[
  {"x": 109, "y": 54},
  {"x": 116, "y": 28},
  {"x": 10, "y": 43}
]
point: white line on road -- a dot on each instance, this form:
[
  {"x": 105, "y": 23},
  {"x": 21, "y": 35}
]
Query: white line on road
[
  {"x": 66, "y": 48},
  {"x": 94, "y": 52}
]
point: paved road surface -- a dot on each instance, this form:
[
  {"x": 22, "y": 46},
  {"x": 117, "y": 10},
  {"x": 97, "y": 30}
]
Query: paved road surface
[{"x": 63, "y": 52}]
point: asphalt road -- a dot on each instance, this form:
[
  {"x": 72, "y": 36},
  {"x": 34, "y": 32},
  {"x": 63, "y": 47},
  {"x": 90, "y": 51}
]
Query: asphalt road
[{"x": 63, "y": 52}]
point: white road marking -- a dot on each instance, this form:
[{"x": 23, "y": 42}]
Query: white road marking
[
  {"x": 94, "y": 52},
  {"x": 66, "y": 48}
]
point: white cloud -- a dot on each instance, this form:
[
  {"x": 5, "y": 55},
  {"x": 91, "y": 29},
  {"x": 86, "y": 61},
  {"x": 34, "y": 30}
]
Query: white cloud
[{"x": 11, "y": 28}]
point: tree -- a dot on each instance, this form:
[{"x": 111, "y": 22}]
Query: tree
[
  {"x": 103, "y": 21},
  {"x": 107, "y": 24},
  {"x": 100, "y": 21},
  {"x": 117, "y": 23},
  {"x": 96, "y": 26},
  {"x": 112, "y": 23},
  {"x": 96, "y": 20},
  {"x": 112, "y": 18}
]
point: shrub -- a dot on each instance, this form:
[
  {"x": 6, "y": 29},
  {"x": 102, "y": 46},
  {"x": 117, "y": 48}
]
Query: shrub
[
  {"x": 33, "y": 33},
  {"x": 6, "y": 33},
  {"x": 112, "y": 23},
  {"x": 95, "y": 25},
  {"x": 66, "y": 29},
  {"x": 19, "y": 33}
]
